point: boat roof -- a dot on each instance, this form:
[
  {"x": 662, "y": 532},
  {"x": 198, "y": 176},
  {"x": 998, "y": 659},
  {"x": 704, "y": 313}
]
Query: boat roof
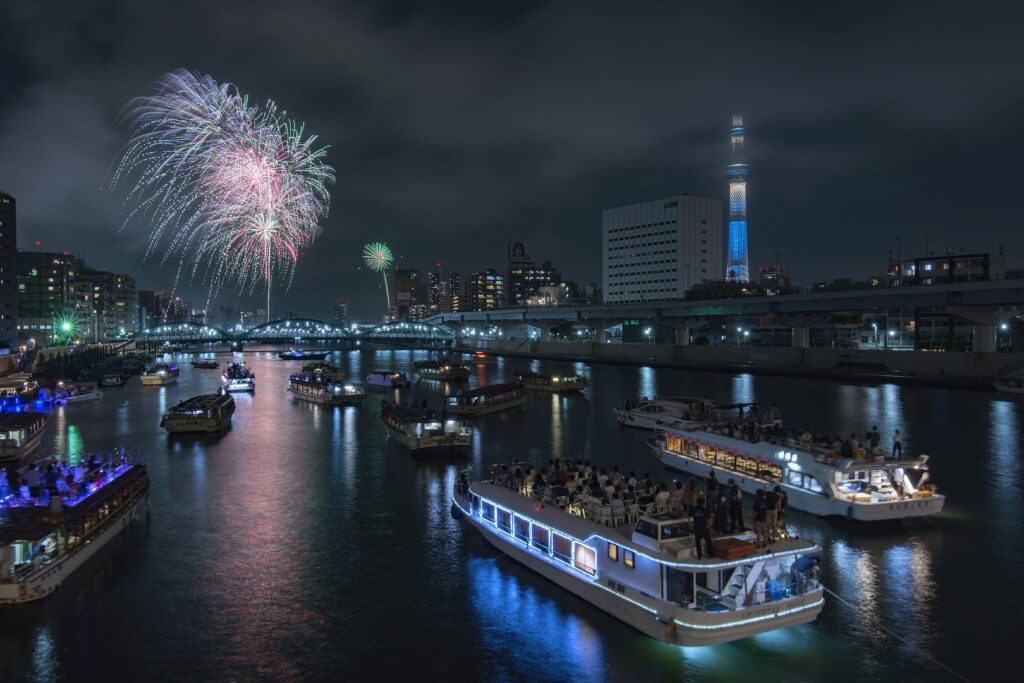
[
  {"x": 205, "y": 401},
  {"x": 492, "y": 389},
  {"x": 583, "y": 529},
  {"x": 771, "y": 452},
  {"x": 409, "y": 413},
  {"x": 679, "y": 399}
]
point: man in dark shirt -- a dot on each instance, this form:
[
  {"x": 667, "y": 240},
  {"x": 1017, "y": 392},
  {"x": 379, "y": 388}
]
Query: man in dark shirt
[
  {"x": 772, "y": 514},
  {"x": 760, "y": 518},
  {"x": 700, "y": 527},
  {"x": 735, "y": 508}
]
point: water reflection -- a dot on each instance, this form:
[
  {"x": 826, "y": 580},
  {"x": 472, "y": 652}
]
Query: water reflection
[
  {"x": 556, "y": 426},
  {"x": 743, "y": 388},
  {"x": 45, "y": 664},
  {"x": 514, "y": 621},
  {"x": 648, "y": 381}
]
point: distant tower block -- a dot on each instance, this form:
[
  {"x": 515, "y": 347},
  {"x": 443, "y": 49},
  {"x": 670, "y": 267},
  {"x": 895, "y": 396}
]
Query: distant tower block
[{"x": 736, "y": 269}]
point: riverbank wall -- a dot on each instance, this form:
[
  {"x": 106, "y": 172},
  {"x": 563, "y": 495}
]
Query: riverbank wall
[{"x": 967, "y": 369}]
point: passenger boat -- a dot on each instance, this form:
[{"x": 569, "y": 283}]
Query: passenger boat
[
  {"x": 238, "y": 377},
  {"x": 643, "y": 569},
  {"x": 316, "y": 388},
  {"x": 815, "y": 479},
  {"x": 484, "y": 400},
  {"x": 441, "y": 370},
  {"x": 205, "y": 413},
  {"x": 76, "y": 392},
  {"x": 114, "y": 379},
  {"x": 295, "y": 354},
  {"x": 20, "y": 436},
  {"x": 424, "y": 430},
  {"x": 205, "y": 364},
  {"x": 19, "y": 388},
  {"x": 685, "y": 412},
  {"x": 1009, "y": 385},
  {"x": 386, "y": 378},
  {"x": 160, "y": 374},
  {"x": 47, "y": 538},
  {"x": 324, "y": 370},
  {"x": 553, "y": 383}
]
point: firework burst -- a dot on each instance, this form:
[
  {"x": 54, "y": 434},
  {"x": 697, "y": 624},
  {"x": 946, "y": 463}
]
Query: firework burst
[
  {"x": 377, "y": 256},
  {"x": 236, "y": 191}
]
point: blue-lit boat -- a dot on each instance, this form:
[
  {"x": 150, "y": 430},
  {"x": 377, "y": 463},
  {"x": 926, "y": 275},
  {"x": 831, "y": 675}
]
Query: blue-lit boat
[
  {"x": 643, "y": 570},
  {"x": 45, "y": 536},
  {"x": 296, "y": 354},
  {"x": 238, "y": 377}
]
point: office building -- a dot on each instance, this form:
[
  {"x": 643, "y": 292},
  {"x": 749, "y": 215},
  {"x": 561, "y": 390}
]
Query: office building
[
  {"x": 453, "y": 292},
  {"x": 408, "y": 291},
  {"x": 656, "y": 250},
  {"x": 523, "y": 278},
  {"x": 341, "y": 312},
  {"x": 950, "y": 267},
  {"x": 9, "y": 332},
  {"x": 47, "y": 293},
  {"x": 485, "y": 290},
  {"x": 736, "y": 269}
]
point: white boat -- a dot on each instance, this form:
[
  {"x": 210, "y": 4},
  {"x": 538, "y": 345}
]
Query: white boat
[
  {"x": 490, "y": 399},
  {"x": 424, "y": 430},
  {"x": 160, "y": 374},
  {"x": 238, "y": 377},
  {"x": 316, "y": 388},
  {"x": 686, "y": 412},
  {"x": 20, "y": 436},
  {"x": 644, "y": 571},
  {"x": 386, "y": 378},
  {"x": 1010, "y": 385},
  {"x": 552, "y": 383},
  {"x": 209, "y": 413},
  {"x": 77, "y": 392},
  {"x": 868, "y": 488},
  {"x": 46, "y": 539}
]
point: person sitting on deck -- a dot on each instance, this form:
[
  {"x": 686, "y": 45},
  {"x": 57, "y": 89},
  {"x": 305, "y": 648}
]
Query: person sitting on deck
[
  {"x": 675, "y": 499},
  {"x": 661, "y": 497},
  {"x": 804, "y": 568},
  {"x": 618, "y": 507}
]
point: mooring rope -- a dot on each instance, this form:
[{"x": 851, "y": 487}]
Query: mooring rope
[{"x": 902, "y": 640}]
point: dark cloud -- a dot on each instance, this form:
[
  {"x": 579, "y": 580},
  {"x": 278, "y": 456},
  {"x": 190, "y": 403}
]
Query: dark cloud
[{"x": 457, "y": 127}]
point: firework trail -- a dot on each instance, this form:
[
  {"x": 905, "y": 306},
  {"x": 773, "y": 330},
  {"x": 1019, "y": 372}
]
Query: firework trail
[
  {"x": 377, "y": 256},
  {"x": 235, "y": 191}
]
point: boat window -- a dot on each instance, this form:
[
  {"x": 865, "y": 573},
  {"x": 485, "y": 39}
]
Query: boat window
[
  {"x": 672, "y": 531},
  {"x": 795, "y": 478},
  {"x": 812, "y": 484},
  {"x": 562, "y": 548},
  {"x": 629, "y": 559},
  {"x": 522, "y": 529},
  {"x": 540, "y": 538},
  {"x": 613, "y": 552},
  {"x": 487, "y": 511},
  {"x": 505, "y": 520},
  {"x": 586, "y": 559},
  {"x": 646, "y": 528}
]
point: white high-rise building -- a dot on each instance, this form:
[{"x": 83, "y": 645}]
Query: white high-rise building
[{"x": 655, "y": 251}]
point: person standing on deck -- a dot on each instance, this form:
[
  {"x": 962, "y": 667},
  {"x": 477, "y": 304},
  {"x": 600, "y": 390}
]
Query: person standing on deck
[
  {"x": 700, "y": 527},
  {"x": 783, "y": 512},
  {"x": 721, "y": 512},
  {"x": 760, "y": 515},
  {"x": 772, "y": 514},
  {"x": 735, "y": 508},
  {"x": 897, "y": 445}
]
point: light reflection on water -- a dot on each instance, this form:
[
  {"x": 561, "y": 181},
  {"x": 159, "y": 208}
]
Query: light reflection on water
[{"x": 648, "y": 381}]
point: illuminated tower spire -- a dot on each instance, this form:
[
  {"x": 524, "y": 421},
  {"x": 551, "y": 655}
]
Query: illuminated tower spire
[{"x": 736, "y": 263}]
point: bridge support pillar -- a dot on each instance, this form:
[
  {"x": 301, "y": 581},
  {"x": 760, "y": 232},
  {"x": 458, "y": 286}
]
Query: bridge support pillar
[
  {"x": 984, "y": 338},
  {"x": 237, "y": 345},
  {"x": 801, "y": 337},
  {"x": 601, "y": 334}
]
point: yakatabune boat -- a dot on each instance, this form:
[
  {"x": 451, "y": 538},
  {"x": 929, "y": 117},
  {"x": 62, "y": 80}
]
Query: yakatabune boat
[
  {"x": 424, "y": 430},
  {"x": 644, "y": 571},
  {"x": 484, "y": 400},
  {"x": 46, "y": 535},
  {"x": 553, "y": 383}
]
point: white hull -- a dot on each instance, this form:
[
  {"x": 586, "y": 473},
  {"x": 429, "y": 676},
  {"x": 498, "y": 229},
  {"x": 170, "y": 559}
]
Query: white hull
[
  {"x": 45, "y": 580},
  {"x": 1007, "y": 389},
  {"x": 328, "y": 400},
  {"x": 91, "y": 396},
  {"x": 806, "y": 501},
  {"x": 635, "y": 418},
  {"x": 239, "y": 385},
  {"x": 158, "y": 380},
  {"x": 428, "y": 443},
  {"x": 692, "y": 628}
]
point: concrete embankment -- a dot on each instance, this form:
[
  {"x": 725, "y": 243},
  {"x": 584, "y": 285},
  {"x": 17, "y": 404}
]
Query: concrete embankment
[{"x": 929, "y": 368}]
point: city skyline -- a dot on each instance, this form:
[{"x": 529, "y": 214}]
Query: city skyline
[{"x": 431, "y": 163}]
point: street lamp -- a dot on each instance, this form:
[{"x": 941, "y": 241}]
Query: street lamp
[{"x": 874, "y": 335}]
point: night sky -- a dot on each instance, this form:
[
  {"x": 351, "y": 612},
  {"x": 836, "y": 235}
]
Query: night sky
[{"x": 458, "y": 127}]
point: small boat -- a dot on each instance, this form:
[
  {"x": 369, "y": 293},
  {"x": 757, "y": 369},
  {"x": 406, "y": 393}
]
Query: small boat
[
  {"x": 424, "y": 430},
  {"x": 386, "y": 378},
  {"x": 867, "y": 487},
  {"x": 686, "y": 412},
  {"x": 1009, "y": 385},
  {"x": 489, "y": 399},
  {"x": 76, "y": 392},
  {"x": 46, "y": 539},
  {"x": 553, "y": 383},
  {"x": 317, "y": 388},
  {"x": 205, "y": 364},
  {"x": 19, "y": 388},
  {"x": 238, "y": 377},
  {"x": 295, "y": 354},
  {"x": 113, "y": 379},
  {"x": 441, "y": 370},
  {"x": 642, "y": 568},
  {"x": 160, "y": 374},
  {"x": 20, "y": 436},
  {"x": 323, "y": 369},
  {"x": 208, "y": 413}
]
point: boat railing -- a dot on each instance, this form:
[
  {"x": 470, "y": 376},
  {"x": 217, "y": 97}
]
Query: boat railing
[{"x": 84, "y": 479}]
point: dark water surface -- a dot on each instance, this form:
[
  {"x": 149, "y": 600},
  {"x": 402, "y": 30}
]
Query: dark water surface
[{"x": 302, "y": 545}]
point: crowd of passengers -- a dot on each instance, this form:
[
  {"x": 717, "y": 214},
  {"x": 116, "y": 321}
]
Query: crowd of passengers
[
  {"x": 710, "y": 504},
  {"x": 58, "y": 478},
  {"x": 850, "y": 447}
]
